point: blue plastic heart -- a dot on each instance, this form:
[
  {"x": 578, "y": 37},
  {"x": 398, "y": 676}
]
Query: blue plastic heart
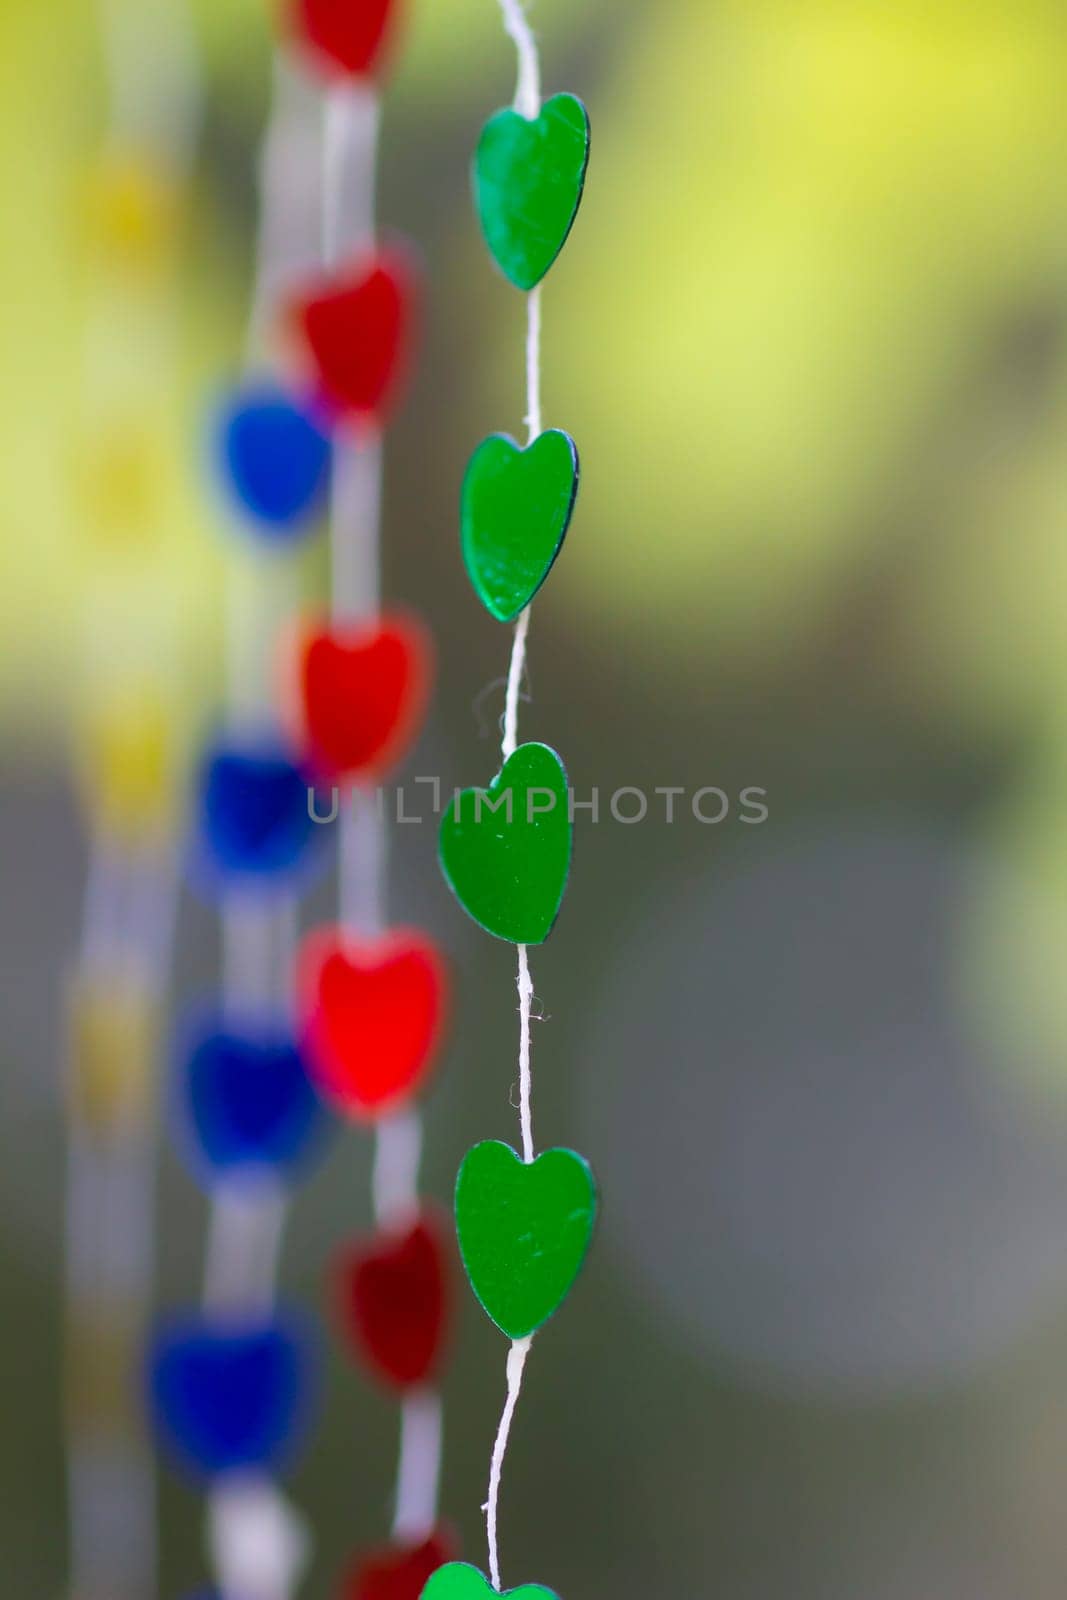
[
  {"x": 243, "y": 1102},
  {"x": 231, "y": 1397},
  {"x": 253, "y": 819},
  {"x": 274, "y": 459}
]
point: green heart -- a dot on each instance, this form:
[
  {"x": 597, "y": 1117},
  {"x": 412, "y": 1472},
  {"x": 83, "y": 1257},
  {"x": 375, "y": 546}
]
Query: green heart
[
  {"x": 515, "y": 510},
  {"x": 506, "y": 850},
  {"x": 458, "y": 1581},
  {"x": 528, "y": 181},
  {"x": 524, "y": 1230}
]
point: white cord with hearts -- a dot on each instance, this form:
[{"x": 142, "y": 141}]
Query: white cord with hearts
[
  {"x": 352, "y": 122},
  {"x": 527, "y": 104}
]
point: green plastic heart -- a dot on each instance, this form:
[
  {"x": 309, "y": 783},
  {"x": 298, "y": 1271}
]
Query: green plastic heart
[
  {"x": 506, "y": 850},
  {"x": 458, "y": 1581},
  {"x": 528, "y": 181},
  {"x": 514, "y": 514},
  {"x": 524, "y": 1230}
]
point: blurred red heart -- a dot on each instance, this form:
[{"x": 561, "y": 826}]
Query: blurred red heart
[
  {"x": 372, "y": 1013},
  {"x": 358, "y": 331},
  {"x": 391, "y": 1297},
  {"x": 349, "y": 36},
  {"x": 362, "y": 695},
  {"x": 399, "y": 1573}
]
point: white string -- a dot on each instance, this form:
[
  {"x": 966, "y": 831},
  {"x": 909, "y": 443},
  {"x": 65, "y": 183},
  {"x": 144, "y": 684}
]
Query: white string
[
  {"x": 244, "y": 1240},
  {"x": 533, "y": 364},
  {"x": 516, "y": 668},
  {"x": 418, "y": 1476},
  {"x": 395, "y": 1180},
  {"x": 350, "y": 163},
  {"x": 363, "y": 844},
  {"x": 525, "y": 986},
  {"x": 520, "y": 1349},
  {"x": 355, "y": 527},
  {"x": 528, "y": 89}
]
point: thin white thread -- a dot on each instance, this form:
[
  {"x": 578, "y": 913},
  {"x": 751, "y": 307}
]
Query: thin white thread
[
  {"x": 516, "y": 668},
  {"x": 101, "y": 937},
  {"x": 525, "y": 987},
  {"x": 244, "y": 1241},
  {"x": 528, "y": 88},
  {"x": 355, "y": 527},
  {"x": 419, "y": 1472},
  {"x": 363, "y": 844},
  {"x": 350, "y": 161},
  {"x": 516, "y": 1365},
  {"x": 533, "y": 364},
  {"x": 395, "y": 1180}
]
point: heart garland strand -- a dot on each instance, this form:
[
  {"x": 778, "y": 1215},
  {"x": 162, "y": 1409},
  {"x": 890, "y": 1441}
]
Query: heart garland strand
[
  {"x": 233, "y": 1384},
  {"x": 524, "y": 1222},
  {"x": 372, "y": 998},
  {"x": 128, "y": 757}
]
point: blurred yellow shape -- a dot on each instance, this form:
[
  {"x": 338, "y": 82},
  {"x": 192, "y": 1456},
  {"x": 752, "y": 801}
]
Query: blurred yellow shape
[
  {"x": 133, "y": 208},
  {"x": 104, "y": 1348},
  {"x": 113, "y": 1040},
  {"x": 129, "y": 763},
  {"x": 121, "y": 480}
]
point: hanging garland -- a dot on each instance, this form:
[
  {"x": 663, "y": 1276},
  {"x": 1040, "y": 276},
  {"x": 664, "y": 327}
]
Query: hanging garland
[
  {"x": 129, "y": 753},
  {"x": 524, "y": 1221},
  {"x": 233, "y": 1384},
  {"x": 372, "y": 997}
]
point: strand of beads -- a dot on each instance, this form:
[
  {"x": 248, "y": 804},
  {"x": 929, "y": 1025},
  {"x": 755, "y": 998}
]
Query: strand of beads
[
  {"x": 128, "y": 756},
  {"x": 232, "y": 1381},
  {"x": 524, "y": 1221},
  {"x": 373, "y": 997}
]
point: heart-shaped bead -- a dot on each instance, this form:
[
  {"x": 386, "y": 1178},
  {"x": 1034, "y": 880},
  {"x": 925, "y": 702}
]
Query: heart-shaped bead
[
  {"x": 391, "y": 1293},
  {"x": 244, "y": 1103},
  {"x": 524, "y": 1229},
  {"x": 362, "y": 693},
  {"x": 253, "y": 822},
  {"x": 231, "y": 1397},
  {"x": 528, "y": 180},
  {"x": 399, "y": 1572},
  {"x": 346, "y": 37},
  {"x": 373, "y": 1013},
  {"x": 274, "y": 459},
  {"x": 506, "y": 850},
  {"x": 515, "y": 510},
  {"x": 358, "y": 330},
  {"x": 458, "y": 1581}
]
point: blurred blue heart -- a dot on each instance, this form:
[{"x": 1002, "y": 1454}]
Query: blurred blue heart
[
  {"x": 253, "y": 816},
  {"x": 275, "y": 460},
  {"x": 231, "y": 1397},
  {"x": 244, "y": 1101}
]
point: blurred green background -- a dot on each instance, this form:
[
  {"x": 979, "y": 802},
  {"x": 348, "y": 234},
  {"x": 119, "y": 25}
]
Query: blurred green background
[{"x": 811, "y": 336}]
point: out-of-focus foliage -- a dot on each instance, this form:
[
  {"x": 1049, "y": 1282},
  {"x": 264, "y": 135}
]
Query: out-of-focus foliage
[{"x": 806, "y": 219}]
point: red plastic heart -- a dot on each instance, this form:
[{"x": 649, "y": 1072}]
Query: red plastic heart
[
  {"x": 391, "y": 1293},
  {"x": 399, "y": 1573},
  {"x": 373, "y": 1014},
  {"x": 357, "y": 329},
  {"x": 362, "y": 695},
  {"x": 350, "y": 37}
]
